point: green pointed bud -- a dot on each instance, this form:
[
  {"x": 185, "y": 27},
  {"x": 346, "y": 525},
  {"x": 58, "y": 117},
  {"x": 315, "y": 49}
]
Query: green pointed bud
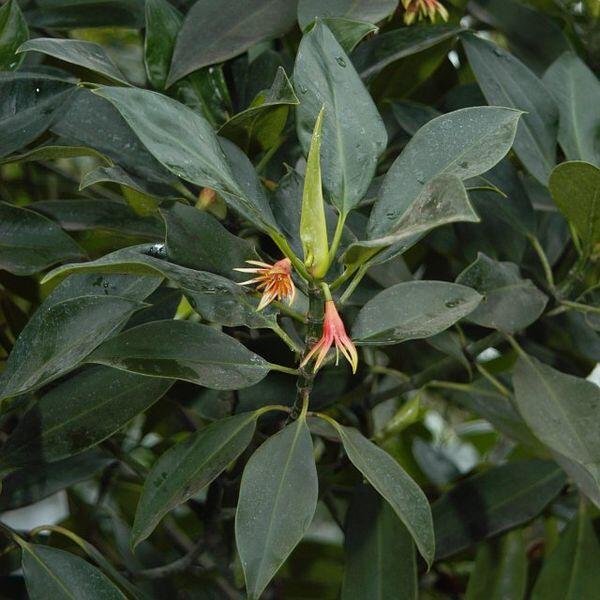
[{"x": 313, "y": 228}]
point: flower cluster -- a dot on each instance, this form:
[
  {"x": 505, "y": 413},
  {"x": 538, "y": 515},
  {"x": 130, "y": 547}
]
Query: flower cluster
[
  {"x": 274, "y": 281},
  {"x": 422, "y": 9}
]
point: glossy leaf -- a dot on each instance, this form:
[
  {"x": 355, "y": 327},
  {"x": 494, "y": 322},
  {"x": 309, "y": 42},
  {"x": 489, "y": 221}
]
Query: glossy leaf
[
  {"x": 53, "y": 573},
  {"x": 489, "y": 503},
  {"x": 395, "y": 485},
  {"x": 78, "y": 414},
  {"x": 59, "y": 337},
  {"x": 464, "y": 143},
  {"x": 411, "y": 116},
  {"x": 575, "y": 89},
  {"x": 575, "y": 188},
  {"x": 84, "y": 54},
  {"x": 500, "y": 569},
  {"x": 163, "y": 21},
  {"x": 570, "y": 572},
  {"x": 349, "y": 32},
  {"x": 380, "y": 554},
  {"x": 47, "y": 152},
  {"x": 510, "y": 303},
  {"x": 379, "y": 52},
  {"x": 189, "y": 466},
  {"x": 371, "y": 11},
  {"x": 30, "y": 242},
  {"x": 13, "y": 32},
  {"x": 226, "y": 30},
  {"x": 353, "y": 133},
  {"x": 183, "y": 350},
  {"x": 278, "y": 498},
  {"x": 505, "y": 81},
  {"x": 261, "y": 124},
  {"x": 413, "y": 310},
  {"x": 563, "y": 412},
  {"x": 185, "y": 143},
  {"x": 35, "y": 100}
]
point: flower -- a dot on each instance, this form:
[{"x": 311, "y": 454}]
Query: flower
[
  {"x": 333, "y": 332},
  {"x": 421, "y": 9},
  {"x": 275, "y": 281}
]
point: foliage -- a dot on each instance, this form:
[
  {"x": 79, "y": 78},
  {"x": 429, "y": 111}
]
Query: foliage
[{"x": 200, "y": 200}]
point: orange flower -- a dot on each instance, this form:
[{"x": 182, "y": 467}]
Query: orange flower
[
  {"x": 333, "y": 332},
  {"x": 421, "y": 9},
  {"x": 275, "y": 281}
]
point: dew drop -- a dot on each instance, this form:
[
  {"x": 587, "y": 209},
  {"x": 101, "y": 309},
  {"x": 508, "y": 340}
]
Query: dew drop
[
  {"x": 464, "y": 165},
  {"x": 303, "y": 89},
  {"x": 37, "y": 90},
  {"x": 498, "y": 52},
  {"x": 453, "y": 303},
  {"x": 340, "y": 61}
]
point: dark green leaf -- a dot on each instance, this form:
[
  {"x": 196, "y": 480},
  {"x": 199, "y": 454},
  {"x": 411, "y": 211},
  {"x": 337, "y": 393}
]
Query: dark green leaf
[
  {"x": 34, "y": 101},
  {"x": 411, "y": 116},
  {"x": 278, "y": 498},
  {"x": 575, "y": 188},
  {"x": 260, "y": 125},
  {"x": 570, "y": 572},
  {"x": 379, "y": 52},
  {"x": 48, "y": 152},
  {"x": 505, "y": 81},
  {"x": 78, "y": 414},
  {"x": 13, "y": 32},
  {"x": 29, "y": 242},
  {"x": 53, "y": 573},
  {"x": 563, "y": 411},
  {"x": 59, "y": 336},
  {"x": 413, "y": 310},
  {"x": 510, "y": 303},
  {"x": 121, "y": 177},
  {"x": 575, "y": 89},
  {"x": 85, "y": 54},
  {"x": 489, "y": 503},
  {"x": 349, "y": 33},
  {"x": 500, "y": 569},
  {"x": 35, "y": 483},
  {"x": 163, "y": 21},
  {"x": 189, "y": 466},
  {"x": 227, "y": 30},
  {"x": 353, "y": 133},
  {"x": 380, "y": 553},
  {"x": 464, "y": 143},
  {"x": 395, "y": 485},
  {"x": 371, "y": 11},
  {"x": 183, "y": 350}
]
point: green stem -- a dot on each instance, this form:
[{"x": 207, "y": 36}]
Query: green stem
[
  {"x": 362, "y": 270},
  {"x": 284, "y": 246},
  {"x": 282, "y": 369},
  {"x": 268, "y": 155},
  {"x": 580, "y": 307},
  {"x": 291, "y": 344},
  {"x": 493, "y": 380},
  {"x": 289, "y": 311},
  {"x": 348, "y": 272},
  {"x": 544, "y": 260},
  {"x": 337, "y": 237}
]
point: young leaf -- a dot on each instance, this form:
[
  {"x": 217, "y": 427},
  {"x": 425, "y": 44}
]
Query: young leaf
[
  {"x": 13, "y": 32},
  {"x": 214, "y": 32},
  {"x": 353, "y": 135},
  {"x": 183, "y": 350},
  {"x": 189, "y": 466},
  {"x": 505, "y": 81},
  {"x": 570, "y": 572},
  {"x": 59, "y": 337},
  {"x": 278, "y": 498},
  {"x": 491, "y": 502},
  {"x": 563, "y": 411},
  {"x": 464, "y": 143},
  {"x": 575, "y": 188},
  {"x": 85, "y": 54},
  {"x": 575, "y": 88},
  {"x": 412, "y": 310},
  {"x": 313, "y": 227},
  {"x": 78, "y": 414},
  {"x": 393, "y": 483},
  {"x": 380, "y": 553},
  {"x": 30, "y": 242},
  {"x": 163, "y": 21},
  {"x": 510, "y": 303},
  {"x": 53, "y": 573}
]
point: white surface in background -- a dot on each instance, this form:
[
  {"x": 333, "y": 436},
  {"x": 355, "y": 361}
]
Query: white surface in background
[{"x": 49, "y": 511}]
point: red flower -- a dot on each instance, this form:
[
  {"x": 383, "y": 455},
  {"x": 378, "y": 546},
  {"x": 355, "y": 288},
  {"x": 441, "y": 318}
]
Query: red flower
[
  {"x": 333, "y": 332},
  {"x": 275, "y": 281},
  {"x": 420, "y": 9}
]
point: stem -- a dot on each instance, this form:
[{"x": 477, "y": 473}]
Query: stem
[
  {"x": 291, "y": 344},
  {"x": 282, "y": 369},
  {"x": 268, "y": 155},
  {"x": 493, "y": 380},
  {"x": 289, "y": 311},
  {"x": 306, "y": 376},
  {"x": 348, "y": 272},
  {"x": 362, "y": 270},
  {"x": 337, "y": 237},
  {"x": 543, "y": 259},
  {"x": 580, "y": 307},
  {"x": 177, "y": 566},
  {"x": 284, "y": 246}
]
